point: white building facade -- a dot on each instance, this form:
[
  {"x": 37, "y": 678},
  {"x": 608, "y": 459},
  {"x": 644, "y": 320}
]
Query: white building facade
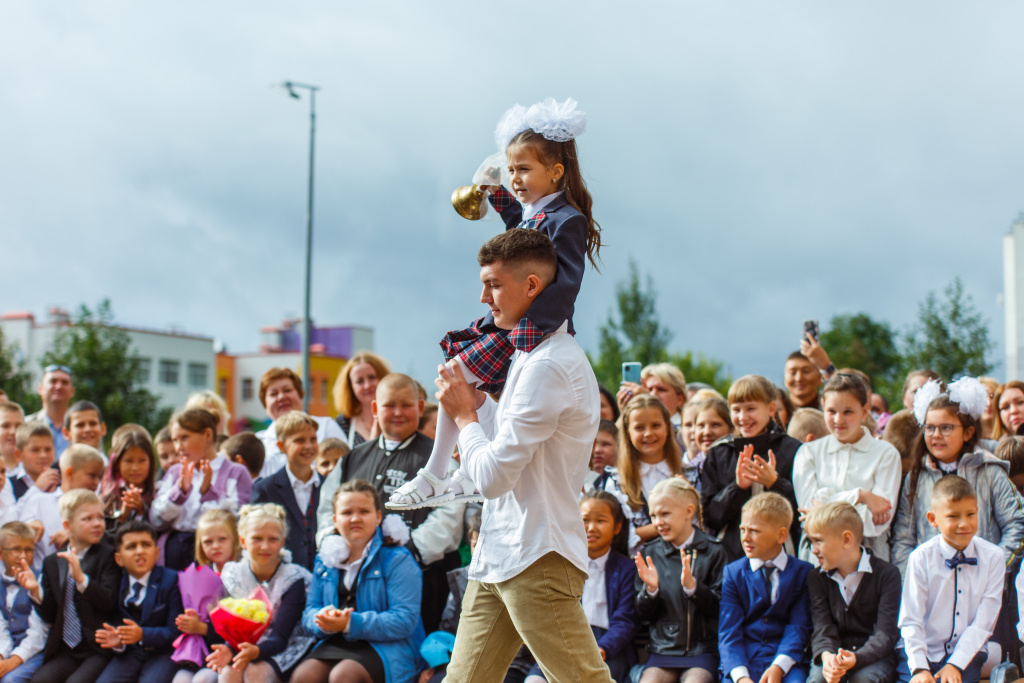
[{"x": 173, "y": 365}]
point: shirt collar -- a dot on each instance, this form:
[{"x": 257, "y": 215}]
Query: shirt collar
[
  {"x": 862, "y": 444},
  {"x": 295, "y": 481},
  {"x": 779, "y": 561},
  {"x": 947, "y": 551},
  {"x": 144, "y": 579},
  {"x": 531, "y": 210},
  {"x": 660, "y": 466},
  {"x": 687, "y": 543},
  {"x": 599, "y": 563},
  {"x": 382, "y": 443}
]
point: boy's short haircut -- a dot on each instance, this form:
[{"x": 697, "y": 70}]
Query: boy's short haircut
[
  {"x": 953, "y": 489},
  {"x": 608, "y": 427},
  {"x": 516, "y": 249},
  {"x": 807, "y": 422},
  {"x": 11, "y": 407},
  {"x": 78, "y": 455},
  {"x": 81, "y": 407},
  {"x": 772, "y": 508},
  {"x": 292, "y": 423},
  {"x": 334, "y": 444},
  {"x": 848, "y": 383},
  {"x": 835, "y": 518},
  {"x": 901, "y": 430},
  {"x": 1011, "y": 449},
  {"x": 30, "y": 430},
  {"x": 134, "y": 526},
  {"x": 429, "y": 410},
  {"x": 796, "y": 355},
  {"x": 75, "y": 499},
  {"x": 163, "y": 436},
  {"x": 249, "y": 448},
  {"x": 16, "y": 530},
  {"x": 751, "y": 389},
  {"x": 395, "y": 381}
]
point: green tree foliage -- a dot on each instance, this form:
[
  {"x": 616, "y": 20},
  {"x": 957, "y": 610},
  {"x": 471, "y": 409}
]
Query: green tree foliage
[
  {"x": 857, "y": 341},
  {"x": 637, "y": 335},
  {"x": 105, "y": 369},
  {"x": 15, "y": 380},
  {"x": 950, "y": 336}
]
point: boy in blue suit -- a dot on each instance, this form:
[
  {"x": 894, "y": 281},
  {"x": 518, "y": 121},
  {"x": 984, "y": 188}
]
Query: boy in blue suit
[
  {"x": 296, "y": 486},
  {"x": 765, "y": 620},
  {"x": 148, "y": 603}
]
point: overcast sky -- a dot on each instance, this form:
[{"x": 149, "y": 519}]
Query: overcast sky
[{"x": 764, "y": 162}]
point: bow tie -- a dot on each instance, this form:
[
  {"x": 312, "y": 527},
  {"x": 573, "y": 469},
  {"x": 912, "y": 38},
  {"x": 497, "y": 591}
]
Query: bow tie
[{"x": 960, "y": 559}]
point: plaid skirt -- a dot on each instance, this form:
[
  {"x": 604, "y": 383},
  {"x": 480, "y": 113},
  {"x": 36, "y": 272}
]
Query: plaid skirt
[{"x": 487, "y": 354}]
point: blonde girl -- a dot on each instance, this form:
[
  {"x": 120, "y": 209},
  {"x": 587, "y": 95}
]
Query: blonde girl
[
  {"x": 262, "y": 530},
  {"x": 353, "y": 392},
  {"x": 681, "y": 575}
]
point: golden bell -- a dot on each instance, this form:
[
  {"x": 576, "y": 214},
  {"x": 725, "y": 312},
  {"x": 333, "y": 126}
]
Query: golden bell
[{"x": 468, "y": 201}]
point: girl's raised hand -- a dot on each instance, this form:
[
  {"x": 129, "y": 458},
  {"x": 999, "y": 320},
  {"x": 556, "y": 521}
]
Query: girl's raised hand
[
  {"x": 743, "y": 468},
  {"x": 648, "y": 573},
  {"x": 689, "y": 583},
  {"x": 131, "y": 499},
  {"x": 207, "y": 471},
  {"x": 188, "y": 468},
  {"x": 765, "y": 470}
]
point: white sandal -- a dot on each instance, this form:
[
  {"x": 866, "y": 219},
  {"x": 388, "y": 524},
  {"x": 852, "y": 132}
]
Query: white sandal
[
  {"x": 462, "y": 480},
  {"x": 417, "y": 500}
]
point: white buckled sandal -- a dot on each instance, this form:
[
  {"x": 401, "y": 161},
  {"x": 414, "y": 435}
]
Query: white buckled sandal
[
  {"x": 416, "y": 499},
  {"x": 462, "y": 480}
]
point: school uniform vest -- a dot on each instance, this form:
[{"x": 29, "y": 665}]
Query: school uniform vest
[{"x": 17, "y": 616}]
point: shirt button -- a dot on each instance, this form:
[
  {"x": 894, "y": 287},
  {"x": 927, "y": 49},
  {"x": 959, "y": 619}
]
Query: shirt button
[{"x": 379, "y": 476}]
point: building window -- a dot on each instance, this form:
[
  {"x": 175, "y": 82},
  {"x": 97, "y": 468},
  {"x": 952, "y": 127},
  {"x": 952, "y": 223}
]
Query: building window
[
  {"x": 323, "y": 391},
  {"x": 197, "y": 375},
  {"x": 247, "y": 389},
  {"x": 145, "y": 368},
  {"x": 222, "y": 387},
  {"x": 169, "y": 371}
]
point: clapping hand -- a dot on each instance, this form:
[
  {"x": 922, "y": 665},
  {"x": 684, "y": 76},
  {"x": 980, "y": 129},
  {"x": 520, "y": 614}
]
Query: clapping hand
[
  {"x": 107, "y": 637},
  {"x": 131, "y": 499},
  {"x": 188, "y": 469},
  {"x": 648, "y": 573},
  {"x": 763, "y": 471},
  {"x": 744, "y": 468},
  {"x": 689, "y": 583},
  {"x": 333, "y": 620},
  {"x": 207, "y": 470}
]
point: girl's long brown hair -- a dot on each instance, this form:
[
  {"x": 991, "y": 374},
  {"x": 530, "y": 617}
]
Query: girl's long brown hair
[
  {"x": 551, "y": 152},
  {"x": 628, "y": 462},
  {"x": 920, "y": 449},
  {"x": 110, "y": 489},
  {"x": 999, "y": 430}
]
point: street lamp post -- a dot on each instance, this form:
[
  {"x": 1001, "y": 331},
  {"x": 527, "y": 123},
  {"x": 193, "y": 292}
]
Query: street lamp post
[{"x": 291, "y": 86}]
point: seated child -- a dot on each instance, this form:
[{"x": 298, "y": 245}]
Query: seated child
[
  {"x": 952, "y": 592},
  {"x": 948, "y": 445},
  {"x": 331, "y": 451},
  {"x": 296, "y": 486},
  {"x": 35, "y": 453},
  {"x": 855, "y": 600},
  {"x": 247, "y": 450},
  {"x": 262, "y": 530},
  {"x": 203, "y": 480},
  {"x": 166, "y": 453},
  {"x": 608, "y": 594},
  {"x": 807, "y": 424},
  {"x": 81, "y": 467},
  {"x": 11, "y": 417},
  {"x": 679, "y": 588},
  {"x": 22, "y": 632},
  {"x": 758, "y": 458},
  {"x": 849, "y": 465},
  {"x": 148, "y": 602},
  {"x": 84, "y": 424},
  {"x": 128, "y": 484},
  {"x": 78, "y": 592},
  {"x": 765, "y": 622},
  {"x": 364, "y": 606}
]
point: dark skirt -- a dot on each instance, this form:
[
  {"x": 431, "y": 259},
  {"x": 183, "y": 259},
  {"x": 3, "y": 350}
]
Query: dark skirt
[
  {"x": 487, "y": 354},
  {"x": 708, "y": 662},
  {"x": 337, "y": 648}
]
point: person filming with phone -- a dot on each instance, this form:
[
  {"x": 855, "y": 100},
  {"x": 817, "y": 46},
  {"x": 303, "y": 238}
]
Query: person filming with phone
[{"x": 807, "y": 369}]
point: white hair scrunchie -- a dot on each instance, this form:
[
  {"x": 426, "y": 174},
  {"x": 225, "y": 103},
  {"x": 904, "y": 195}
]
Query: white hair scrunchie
[
  {"x": 928, "y": 392},
  {"x": 558, "y": 121},
  {"x": 971, "y": 395}
]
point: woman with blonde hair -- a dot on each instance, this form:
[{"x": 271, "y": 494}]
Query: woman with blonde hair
[
  {"x": 212, "y": 403},
  {"x": 353, "y": 393}
]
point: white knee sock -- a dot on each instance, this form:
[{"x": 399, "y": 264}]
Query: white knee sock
[{"x": 447, "y": 436}]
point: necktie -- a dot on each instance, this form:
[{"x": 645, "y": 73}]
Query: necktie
[
  {"x": 766, "y": 572},
  {"x": 133, "y": 599},
  {"x": 960, "y": 559},
  {"x": 72, "y": 625}
]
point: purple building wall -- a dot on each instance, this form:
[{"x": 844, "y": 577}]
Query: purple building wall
[{"x": 337, "y": 341}]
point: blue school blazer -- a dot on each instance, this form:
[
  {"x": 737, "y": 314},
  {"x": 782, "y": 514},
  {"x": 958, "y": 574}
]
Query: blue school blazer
[
  {"x": 388, "y": 593},
  {"x": 160, "y": 608},
  {"x": 619, "y": 574},
  {"x": 751, "y": 630}
]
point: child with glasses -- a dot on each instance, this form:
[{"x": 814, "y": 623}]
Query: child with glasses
[{"x": 946, "y": 445}]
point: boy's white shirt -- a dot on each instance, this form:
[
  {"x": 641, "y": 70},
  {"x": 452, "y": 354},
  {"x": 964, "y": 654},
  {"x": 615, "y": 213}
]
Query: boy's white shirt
[
  {"x": 829, "y": 471},
  {"x": 35, "y": 636},
  {"x": 37, "y": 505},
  {"x": 528, "y": 456},
  {"x": 8, "y": 506},
  {"x": 938, "y": 601}
]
